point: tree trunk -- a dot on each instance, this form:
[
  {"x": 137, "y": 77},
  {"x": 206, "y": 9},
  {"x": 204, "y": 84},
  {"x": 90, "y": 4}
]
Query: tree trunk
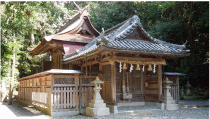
[
  {"x": 12, "y": 77},
  {"x": 42, "y": 30},
  {"x": 32, "y": 39}
]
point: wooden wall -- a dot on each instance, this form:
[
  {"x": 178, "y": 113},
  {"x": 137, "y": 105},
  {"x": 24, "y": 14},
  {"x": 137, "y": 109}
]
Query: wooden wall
[
  {"x": 134, "y": 82},
  {"x": 57, "y": 91},
  {"x": 46, "y": 65},
  {"x": 36, "y": 91},
  {"x": 151, "y": 91},
  {"x": 106, "y": 86}
]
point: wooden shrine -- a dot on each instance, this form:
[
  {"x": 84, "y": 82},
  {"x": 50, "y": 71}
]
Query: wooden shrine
[{"x": 129, "y": 58}]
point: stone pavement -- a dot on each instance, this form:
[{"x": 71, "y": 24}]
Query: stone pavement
[{"x": 21, "y": 111}]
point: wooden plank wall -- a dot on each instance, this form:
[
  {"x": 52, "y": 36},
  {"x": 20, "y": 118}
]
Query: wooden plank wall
[
  {"x": 36, "y": 91},
  {"x": 135, "y": 84},
  {"x": 151, "y": 91},
  {"x": 106, "y": 86},
  {"x": 65, "y": 91}
]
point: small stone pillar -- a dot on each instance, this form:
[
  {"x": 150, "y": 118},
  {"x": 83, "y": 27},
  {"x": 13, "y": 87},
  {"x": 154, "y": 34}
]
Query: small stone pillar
[
  {"x": 169, "y": 103},
  {"x": 97, "y": 107},
  {"x": 182, "y": 91},
  {"x": 188, "y": 88}
]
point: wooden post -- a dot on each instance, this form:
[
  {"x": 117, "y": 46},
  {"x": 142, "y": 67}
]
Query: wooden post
[
  {"x": 177, "y": 82},
  {"x": 142, "y": 81},
  {"x": 90, "y": 66},
  {"x": 113, "y": 81},
  {"x": 102, "y": 85},
  {"x": 159, "y": 81},
  {"x": 76, "y": 88},
  {"x": 52, "y": 82}
]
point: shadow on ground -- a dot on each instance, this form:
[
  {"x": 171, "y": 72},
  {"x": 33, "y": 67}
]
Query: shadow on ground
[{"x": 19, "y": 109}]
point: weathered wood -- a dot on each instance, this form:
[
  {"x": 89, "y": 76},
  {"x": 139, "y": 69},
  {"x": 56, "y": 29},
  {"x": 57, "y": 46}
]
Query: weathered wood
[
  {"x": 71, "y": 99},
  {"x": 159, "y": 81},
  {"x": 76, "y": 86},
  {"x": 136, "y": 58},
  {"x": 67, "y": 97},
  {"x": 113, "y": 81}
]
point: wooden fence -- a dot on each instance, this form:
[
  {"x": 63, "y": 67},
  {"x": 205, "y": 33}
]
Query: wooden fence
[
  {"x": 174, "y": 93},
  {"x": 36, "y": 91},
  {"x": 54, "y": 91},
  {"x": 66, "y": 91}
]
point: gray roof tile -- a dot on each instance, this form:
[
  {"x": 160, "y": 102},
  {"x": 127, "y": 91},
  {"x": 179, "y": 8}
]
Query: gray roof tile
[{"x": 117, "y": 41}]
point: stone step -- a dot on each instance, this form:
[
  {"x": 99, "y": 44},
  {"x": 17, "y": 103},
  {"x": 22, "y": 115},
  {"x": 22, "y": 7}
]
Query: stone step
[{"x": 171, "y": 106}]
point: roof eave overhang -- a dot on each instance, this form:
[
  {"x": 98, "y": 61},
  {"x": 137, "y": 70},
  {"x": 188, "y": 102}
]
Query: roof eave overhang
[
  {"x": 168, "y": 55},
  {"x": 95, "y": 51}
]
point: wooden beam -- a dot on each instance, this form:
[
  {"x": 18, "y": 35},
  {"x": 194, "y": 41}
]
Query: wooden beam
[
  {"x": 159, "y": 81},
  {"x": 135, "y": 58}
]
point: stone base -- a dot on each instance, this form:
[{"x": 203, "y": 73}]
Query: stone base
[
  {"x": 130, "y": 104},
  {"x": 113, "y": 108},
  {"x": 93, "y": 112},
  {"x": 169, "y": 101},
  {"x": 159, "y": 105},
  {"x": 67, "y": 112},
  {"x": 171, "y": 106}
]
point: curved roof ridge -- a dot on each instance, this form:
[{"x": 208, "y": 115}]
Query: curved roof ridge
[{"x": 125, "y": 29}]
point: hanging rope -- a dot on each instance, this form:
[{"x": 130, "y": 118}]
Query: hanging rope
[{"x": 163, "y": 62}]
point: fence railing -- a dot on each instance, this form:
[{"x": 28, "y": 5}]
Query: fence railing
[
  {"x": 174, "y": 92},
  {"x": 56, "y": 91}
]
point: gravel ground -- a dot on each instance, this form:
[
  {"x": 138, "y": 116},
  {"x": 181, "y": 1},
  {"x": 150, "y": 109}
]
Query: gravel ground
[
  {"x": 193, "y": 102},
  {"x": 21, "y": 111}
]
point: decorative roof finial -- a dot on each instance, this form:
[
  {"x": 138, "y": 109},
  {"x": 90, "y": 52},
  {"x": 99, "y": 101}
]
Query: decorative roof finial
[
  {"x": 77, "y": 6},
  {"x": 103, "y": 33}
]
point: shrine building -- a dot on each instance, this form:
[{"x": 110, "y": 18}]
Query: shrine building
[{"x": 125, "y": 57}]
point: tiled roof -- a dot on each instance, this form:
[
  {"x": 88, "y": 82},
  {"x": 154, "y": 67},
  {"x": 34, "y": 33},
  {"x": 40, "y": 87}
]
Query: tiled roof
[
  {"x": 144, "y": 46},
  {"x": 117, "y": 41}
]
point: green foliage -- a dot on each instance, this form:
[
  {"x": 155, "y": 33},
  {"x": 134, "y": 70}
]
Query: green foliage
[{"x": 181, "y": 96}]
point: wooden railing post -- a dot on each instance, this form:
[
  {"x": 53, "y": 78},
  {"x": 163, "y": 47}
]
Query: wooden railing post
[
  {"x": 51, "y": 97},
  {"x": 76, "y": 88}
]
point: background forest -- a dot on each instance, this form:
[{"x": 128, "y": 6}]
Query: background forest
[{"x": 24, "y": 25}]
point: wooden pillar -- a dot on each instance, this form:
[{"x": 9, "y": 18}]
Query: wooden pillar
[
  {"x": 177, "y": 82},
  {"x": 144, "y": 76},
  {"x": 159, "y": 81},
  {"x": 51, "y": 97},
  {"x": 76, "y": 87},
  {"x": 82, "y": 68},
  {"x": 142, "y": 81},
  {"x": 113, "y": 81},
  {"x": 90, "y": 66}
]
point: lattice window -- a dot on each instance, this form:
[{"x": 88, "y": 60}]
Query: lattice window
[
  {"x": 87, "y": 80},
  {"x": 64, "y": 80},
  {"x": 106, "y": 72}
]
